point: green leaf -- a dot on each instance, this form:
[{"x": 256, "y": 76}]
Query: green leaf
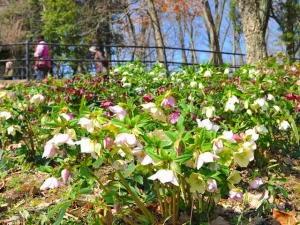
[
  {"x": 58, "y": 206},
  {"x": 172, "y": 135},
  {"x": 61, "y": 214},
  {"x": 184, "y": 157},
  {"x": 85, "y": 191},
  {"x": 294, "y": 128}
]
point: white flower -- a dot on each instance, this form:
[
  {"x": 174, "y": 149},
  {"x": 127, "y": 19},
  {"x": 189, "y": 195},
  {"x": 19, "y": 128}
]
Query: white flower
[
  {"x": 37, "y": 99},
  {"x": 165, "y": 176},
  {"x": 226, "y": 71},
  {"x": 89, "y": 146},
  {"x": 88, "y": 124},
  {"x": 261, "y": 129},
  {"x": 209, "y": 111},
  {"x": 12, "y": 129},
  {"x": 124, "y": 79},
  {"x": 252, "y": 132},
  {"x": 152, "y": 73},
  {"x": 126, "y": 85},
  {"x": 116, "y": 70},
  {"x": 277, "y": 108},
  {"x": 5, "y": 115},
  {"x": 193, "y": 84},
  {"x": 201, "y": 86},
  {"x": 207, "y": 73},
  {"x": 284, "y": 125},
  {"x": 260, "y": 103},
  {"x": 207, "y": 124},
  {"x": 271, "y": 97},
  {"x": 230, "y": 104}
]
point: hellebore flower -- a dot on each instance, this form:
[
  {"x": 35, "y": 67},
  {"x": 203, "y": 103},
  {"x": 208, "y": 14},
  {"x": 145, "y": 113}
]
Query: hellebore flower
[
  {"x": 88, "y": 124},
  {"x": 243, "y": 156},
  {"x": 260, "y": 103},
  {"x": 147, "y": 98},
  {"x": 5, "y": 115},
  {"x": 261, "y": 129},
  {"x": 207, "y": 73},
  {"x": 126, "y": 142},
  {"x": 51, "y": 183},
  {"x": 120, "y": 165},
  {"x": 255, "y": 183},
  {"x": 108, "y": 143},
  {"x": 284, "y": 125},
  {"x": 51, "y": 146},
  {"x": 230, "y": 104},
  {"x": 65, "y": 174},
  {"x": 207, "y": 124},
  {"x": 254, "y": 135},
  {"x": 165, "y": 176},
  {"x": 205, "y": 157},
  {"x": 49, "y": 150},
  {"x": 212, "y": 185},
  {"x": 174, "y": 117},
  {"x": 196, "y": 183},
  {"x": 89, "y": 146},
  {"x": 193, "y": 84},
  {"x": 209, "y": 111},
  {"x": 13, "y": 129},
  {"x": 118, "y": 111},
  {"x": 106, "y": 104},
  {"x": 236, "y": 194},
  {"x": 37, "y": 99},
  {"x": 155, "y": 112},
  {"x": 168, "y": 102}
]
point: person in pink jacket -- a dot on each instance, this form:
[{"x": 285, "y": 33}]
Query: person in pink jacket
[{"x": 41, "y": 52}]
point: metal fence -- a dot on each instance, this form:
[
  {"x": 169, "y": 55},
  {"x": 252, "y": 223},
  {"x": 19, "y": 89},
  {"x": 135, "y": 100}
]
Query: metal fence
[{"x": 63, "y": 64}]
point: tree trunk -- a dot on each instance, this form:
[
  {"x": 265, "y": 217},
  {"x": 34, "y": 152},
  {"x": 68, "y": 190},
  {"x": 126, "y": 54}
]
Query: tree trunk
[
  {"x": 157, "y": 31},
  {"x": 215, "y": 58},
  {"x": 255, "y": 16},
  {"x": 181, "y": 38},
  {"x": 191, "y": 40}
]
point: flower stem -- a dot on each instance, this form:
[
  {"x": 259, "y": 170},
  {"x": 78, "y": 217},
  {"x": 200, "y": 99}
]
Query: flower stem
[
  {"x": 136, "y": 199},
  {"x": 159, "y": 199}
]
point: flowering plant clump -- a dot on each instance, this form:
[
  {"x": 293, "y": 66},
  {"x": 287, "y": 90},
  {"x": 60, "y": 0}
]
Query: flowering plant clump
[{"x": 177, "y": 143}]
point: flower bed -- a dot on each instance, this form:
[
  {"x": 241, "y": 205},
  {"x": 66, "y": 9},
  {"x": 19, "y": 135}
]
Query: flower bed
[{"x": 175, "y": 144}]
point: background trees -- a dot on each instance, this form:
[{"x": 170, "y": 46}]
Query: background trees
[{"x": 216, "y": 25}]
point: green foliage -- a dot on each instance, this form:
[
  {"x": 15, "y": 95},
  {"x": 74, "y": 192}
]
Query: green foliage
[{"x": 144, "y": 140}]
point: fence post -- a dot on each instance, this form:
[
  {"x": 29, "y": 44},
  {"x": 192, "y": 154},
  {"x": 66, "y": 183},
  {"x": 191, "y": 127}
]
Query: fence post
[{"x": 27, "y": 62}]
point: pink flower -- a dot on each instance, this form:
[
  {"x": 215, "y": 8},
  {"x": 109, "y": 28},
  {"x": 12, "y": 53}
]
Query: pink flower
[
  {"x": 236, "y": 194},
  {"x": 165, "y": 176},
  {"x": 212, "y": 185},
  {"x": 50, "y": 150},
  {"x": 108, "y": 142},
  {"x": 51, "y": 146},
  {"x": 119, "y": 111},
  {"x": 106, "y": 104},
  {"x": 168, "y": 102},
  {"x": 205, "y": 157},
  {"x": 65, "y": 174},
  {"x": 255, "y": 183},
  {"x": 174, "y": 117},
  {"x": 51, "y": 182}
]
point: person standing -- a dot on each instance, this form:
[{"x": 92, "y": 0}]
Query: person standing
[
  {"x": 41, "y": 52},
  {"x": 101, "y": 63},
  {"x": 9, "y": 71}
]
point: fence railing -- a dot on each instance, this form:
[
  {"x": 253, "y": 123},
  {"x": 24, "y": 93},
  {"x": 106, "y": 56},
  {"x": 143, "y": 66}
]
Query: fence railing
[{"x": 23, "y": 67}]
